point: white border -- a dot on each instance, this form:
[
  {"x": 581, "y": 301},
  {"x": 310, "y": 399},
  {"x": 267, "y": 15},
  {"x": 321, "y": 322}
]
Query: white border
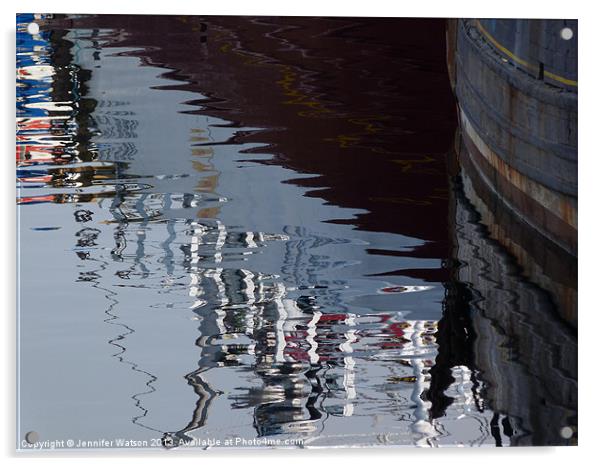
[{"x": 590, "y": 171}]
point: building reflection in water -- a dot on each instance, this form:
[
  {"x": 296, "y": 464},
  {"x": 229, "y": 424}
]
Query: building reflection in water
[{"x": 305, "y": 351}]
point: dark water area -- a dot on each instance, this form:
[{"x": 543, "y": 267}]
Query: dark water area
[{"x": 252, "y": 229}]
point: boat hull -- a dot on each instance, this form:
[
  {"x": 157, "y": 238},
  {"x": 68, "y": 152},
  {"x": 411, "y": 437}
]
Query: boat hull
[{"x": 516, "y": 88}]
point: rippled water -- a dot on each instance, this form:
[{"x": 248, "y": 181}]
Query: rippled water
[{"x": 243, "y": 228}]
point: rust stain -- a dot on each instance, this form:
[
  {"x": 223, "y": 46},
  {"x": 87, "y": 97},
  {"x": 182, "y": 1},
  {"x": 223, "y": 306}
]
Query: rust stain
[{"x": 556, "y": 204}]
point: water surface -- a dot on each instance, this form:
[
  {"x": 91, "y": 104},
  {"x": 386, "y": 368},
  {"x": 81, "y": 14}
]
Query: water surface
[{"x": 244, "y": 229}]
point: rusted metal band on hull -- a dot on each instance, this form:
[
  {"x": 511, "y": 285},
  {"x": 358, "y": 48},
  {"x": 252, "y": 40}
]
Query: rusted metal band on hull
[
  {"x": 562, "y": 206},
  {"x": 552, "y": 214}
]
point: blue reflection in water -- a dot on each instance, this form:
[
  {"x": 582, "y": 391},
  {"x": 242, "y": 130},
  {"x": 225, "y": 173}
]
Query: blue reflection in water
[{"x": 233, "y": 304}]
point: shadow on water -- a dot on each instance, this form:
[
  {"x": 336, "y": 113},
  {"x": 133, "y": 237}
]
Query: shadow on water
[{"x": 283, "y": 183}]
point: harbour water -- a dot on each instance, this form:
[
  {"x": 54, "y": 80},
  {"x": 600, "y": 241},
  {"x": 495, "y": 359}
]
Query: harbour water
[{"x": 240, "y": 231}]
